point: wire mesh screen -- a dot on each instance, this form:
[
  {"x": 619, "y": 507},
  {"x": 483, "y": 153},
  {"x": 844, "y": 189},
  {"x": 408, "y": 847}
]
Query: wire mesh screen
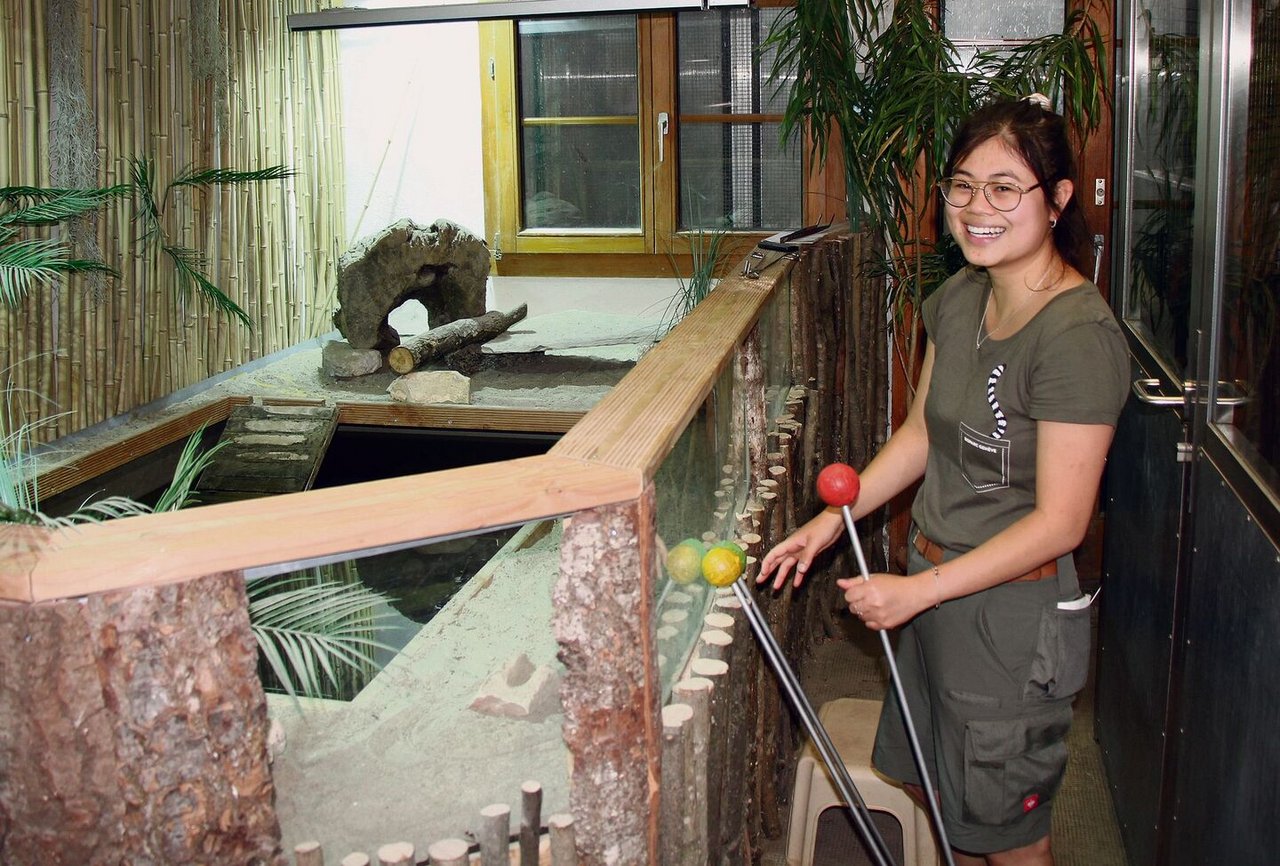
[
  {"x": 579, "y": 106},
  {"x": 734, "y": 173}
]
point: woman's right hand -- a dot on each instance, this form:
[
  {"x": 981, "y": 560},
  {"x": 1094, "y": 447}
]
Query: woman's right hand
[{"x": 797, "y": 550}]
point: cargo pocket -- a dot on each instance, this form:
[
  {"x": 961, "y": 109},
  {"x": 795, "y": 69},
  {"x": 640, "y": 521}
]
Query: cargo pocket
[
  {"x": 1061, "y": 662},
  {"x": 1012, "y": 766}
]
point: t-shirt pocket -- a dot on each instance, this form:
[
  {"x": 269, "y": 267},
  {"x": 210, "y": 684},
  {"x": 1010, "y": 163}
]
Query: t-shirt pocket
[{"x": 984, "y": 461}]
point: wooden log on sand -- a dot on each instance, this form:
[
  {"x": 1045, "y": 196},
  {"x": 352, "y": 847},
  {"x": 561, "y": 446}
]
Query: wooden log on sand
[{"x": 439, "y": 342}]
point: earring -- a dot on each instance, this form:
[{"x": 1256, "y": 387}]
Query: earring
[{"x": 1053, "y": 222}]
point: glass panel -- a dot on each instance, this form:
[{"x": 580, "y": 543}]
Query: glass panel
[
  {"x": 581, "y": 176},
  {"x": 1250, "y": 348},
  {"x": 721, "y": 69},
  {"x": 735, "y": 175},
  {"x": 1158, "y": 292},
  {"x": 578, "y": 67},
  {"x": 700, "y": 486},
  {"x": 1013, "y": 19},
  {"x": 476, "y": 683},
  {"x": 579, "y": 104}
]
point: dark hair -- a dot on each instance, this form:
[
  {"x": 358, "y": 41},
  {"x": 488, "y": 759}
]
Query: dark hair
[{"x": 1039, "y": 136}]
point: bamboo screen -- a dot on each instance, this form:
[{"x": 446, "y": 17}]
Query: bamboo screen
[{"x": 168, "y": 81}]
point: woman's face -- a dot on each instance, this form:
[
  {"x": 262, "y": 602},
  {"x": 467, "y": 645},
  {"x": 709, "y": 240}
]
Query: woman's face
[{"x": 1003, "y": 241}]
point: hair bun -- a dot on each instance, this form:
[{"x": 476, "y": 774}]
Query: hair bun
[{"x": 1039, "y": 99}]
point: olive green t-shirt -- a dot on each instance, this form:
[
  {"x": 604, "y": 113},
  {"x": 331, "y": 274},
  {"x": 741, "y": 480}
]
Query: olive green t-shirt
[{"x": 1069, "y": 363}]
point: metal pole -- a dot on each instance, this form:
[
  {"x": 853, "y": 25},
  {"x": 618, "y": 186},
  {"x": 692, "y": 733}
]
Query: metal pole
[
  {"x": 935, "y": 813},
  {"x": 870, "y": 834}
]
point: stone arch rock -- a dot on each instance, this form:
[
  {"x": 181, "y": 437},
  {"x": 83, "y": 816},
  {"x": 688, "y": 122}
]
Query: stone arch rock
[{"x": 443, "y": 266}]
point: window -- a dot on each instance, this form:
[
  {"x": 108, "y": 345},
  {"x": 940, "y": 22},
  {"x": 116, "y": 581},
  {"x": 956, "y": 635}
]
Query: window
[{"x": 620, "y": 134}]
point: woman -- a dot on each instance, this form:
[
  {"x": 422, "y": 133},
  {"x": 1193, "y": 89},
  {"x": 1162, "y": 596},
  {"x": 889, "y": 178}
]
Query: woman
[{"x": 1024, "y": 375}]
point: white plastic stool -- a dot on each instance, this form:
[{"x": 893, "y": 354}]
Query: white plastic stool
[{"x": 851, "y": 724}]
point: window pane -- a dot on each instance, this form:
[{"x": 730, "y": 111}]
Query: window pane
[
  {"x": 1012, "y": 19},
  {"x": 579, "y": 105},
  {"x": 1158, "y": 294},
  {"x": 578, "y": 67},
  {"x": 581, "y": 176},
  {"x": 736, "y": 176},
  {"x": 721, "y": 71},
  {"x": 1250, "y": 350},
  {"x": 733, "y": 175}
]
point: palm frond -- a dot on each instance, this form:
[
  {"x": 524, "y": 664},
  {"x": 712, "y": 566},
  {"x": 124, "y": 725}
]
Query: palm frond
[
  {"x": 193, "y": 177},
  {"x": 34, "y": 206},
  {"x": 307, "y": 631},
  {"x": 187, "y": 264},
  {"x": 144, "y": 192}
]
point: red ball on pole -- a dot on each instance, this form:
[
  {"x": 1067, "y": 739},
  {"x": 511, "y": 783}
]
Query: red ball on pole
[{"x": 838, "y": 485}]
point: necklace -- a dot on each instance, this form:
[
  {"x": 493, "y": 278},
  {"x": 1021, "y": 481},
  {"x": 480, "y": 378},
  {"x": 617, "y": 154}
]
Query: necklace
[{"x": 979, "y": 338}]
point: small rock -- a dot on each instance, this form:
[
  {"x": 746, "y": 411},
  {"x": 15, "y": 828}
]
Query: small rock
[
  {"x": 431, "y": 386},
  {"x": 520, "y": 691},
  {"x": 341, "y": 360}
]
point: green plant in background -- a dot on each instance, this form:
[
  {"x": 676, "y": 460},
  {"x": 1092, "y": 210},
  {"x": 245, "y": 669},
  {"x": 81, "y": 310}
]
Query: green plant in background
[
  {"x": 311, "y": 627},
  {"x": 28, "y": 262},
  {"x": 189, "y": 263},
  {"x": 892, "y": 87},
  {"x": 710, "y": 249},
  {"x": 316, "y": 628}
]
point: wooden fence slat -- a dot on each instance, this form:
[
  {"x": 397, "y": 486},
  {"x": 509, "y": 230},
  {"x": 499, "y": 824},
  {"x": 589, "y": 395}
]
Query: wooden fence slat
[
  {"x": 563, "y": 842},
  {"x": 495, "y": 834},
  {"x": 449, "y": 852},
  {"x": 530, "y": 822},
  {"x": 308, "y": 854}
]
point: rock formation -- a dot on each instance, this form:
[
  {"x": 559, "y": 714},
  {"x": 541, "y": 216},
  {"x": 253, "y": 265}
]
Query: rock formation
[{"x": 443, "y": 266}]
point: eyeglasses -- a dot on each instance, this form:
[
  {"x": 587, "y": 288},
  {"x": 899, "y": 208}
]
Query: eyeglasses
[{"x": 1002, "y": 195}]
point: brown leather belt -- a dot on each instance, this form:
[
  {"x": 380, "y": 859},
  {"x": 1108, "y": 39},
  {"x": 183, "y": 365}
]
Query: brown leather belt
[{"x": 933, "y": 552}]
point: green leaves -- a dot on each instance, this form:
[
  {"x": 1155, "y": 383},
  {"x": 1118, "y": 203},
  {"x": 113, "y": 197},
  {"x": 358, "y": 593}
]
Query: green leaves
[
  {"x": 188, "y": 263},
  {"x": 309, "y": 628},
  {"x": 29, "y": 262}
]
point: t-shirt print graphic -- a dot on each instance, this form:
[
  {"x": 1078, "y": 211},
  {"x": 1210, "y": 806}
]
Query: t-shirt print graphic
[{"x": 984, "y": 460}]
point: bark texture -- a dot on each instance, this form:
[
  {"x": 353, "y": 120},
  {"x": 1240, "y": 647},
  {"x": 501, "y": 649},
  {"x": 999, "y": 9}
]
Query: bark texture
[
  {"x": 133, "y": 730},
  {"x": 604, "y": 625}
]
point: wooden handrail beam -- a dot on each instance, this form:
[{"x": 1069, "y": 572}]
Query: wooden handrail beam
[{"x": 157, "y": 549}]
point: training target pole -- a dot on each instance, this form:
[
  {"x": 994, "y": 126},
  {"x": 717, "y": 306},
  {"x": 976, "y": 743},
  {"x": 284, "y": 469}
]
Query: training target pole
[
  {"x": 935, "y": 813},
  {"x": 848, "y": 791}
]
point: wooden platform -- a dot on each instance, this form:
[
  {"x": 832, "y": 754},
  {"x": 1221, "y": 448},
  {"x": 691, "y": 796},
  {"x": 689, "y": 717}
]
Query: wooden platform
[{"x": 265, "y": 450}]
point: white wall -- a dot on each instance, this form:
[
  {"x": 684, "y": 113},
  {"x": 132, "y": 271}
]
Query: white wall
[{"x": 411, "y": 125}]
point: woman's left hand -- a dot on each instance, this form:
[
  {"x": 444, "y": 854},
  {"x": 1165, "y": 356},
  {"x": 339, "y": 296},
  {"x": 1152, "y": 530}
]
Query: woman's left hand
[{"x": 885, "y": 601}]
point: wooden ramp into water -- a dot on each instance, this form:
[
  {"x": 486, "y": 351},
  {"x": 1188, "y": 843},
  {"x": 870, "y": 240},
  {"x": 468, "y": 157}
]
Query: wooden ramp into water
[{"x": 265, "y": 450}]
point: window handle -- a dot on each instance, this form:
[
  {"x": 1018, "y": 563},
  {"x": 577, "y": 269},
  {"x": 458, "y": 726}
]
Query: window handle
[{"x": 664, "y": 125}]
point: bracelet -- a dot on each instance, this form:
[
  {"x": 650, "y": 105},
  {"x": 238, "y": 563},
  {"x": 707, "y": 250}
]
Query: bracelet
[{"x": 937, "y": 586}]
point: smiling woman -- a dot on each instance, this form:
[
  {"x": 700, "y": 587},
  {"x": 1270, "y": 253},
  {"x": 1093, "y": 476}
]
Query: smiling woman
[{"x": 1024, "y": 375}]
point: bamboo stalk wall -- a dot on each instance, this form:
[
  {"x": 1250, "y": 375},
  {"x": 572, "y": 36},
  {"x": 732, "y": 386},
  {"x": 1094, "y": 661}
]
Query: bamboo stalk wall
[{"x": 272, "y": 247}]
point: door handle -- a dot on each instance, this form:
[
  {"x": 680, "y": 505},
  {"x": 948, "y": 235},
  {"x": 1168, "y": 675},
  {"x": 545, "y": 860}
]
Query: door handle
[
  {"x": 1141, "y": 390},
  {"x": 1229, "y": 393},
  {"x": 664, "y": 126}
]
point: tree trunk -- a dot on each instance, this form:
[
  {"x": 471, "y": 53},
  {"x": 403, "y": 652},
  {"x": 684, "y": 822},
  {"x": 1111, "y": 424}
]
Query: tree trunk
[
  {"x": 603, "y": 623},
  {"x": 437, "y": 342},
  {"x": 133, "y": 730}
]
